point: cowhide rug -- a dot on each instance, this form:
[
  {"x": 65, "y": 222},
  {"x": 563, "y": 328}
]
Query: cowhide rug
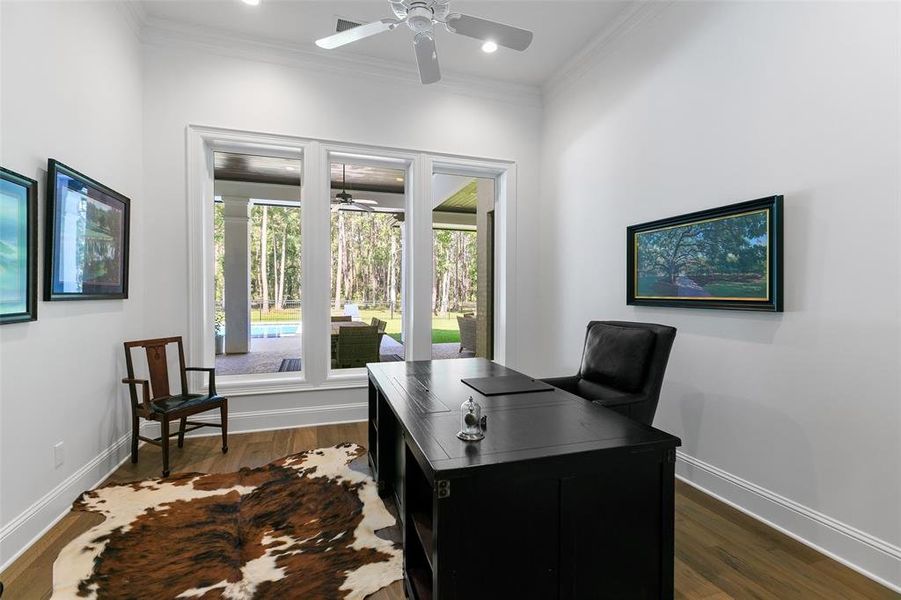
[{"x": 301, "y": 527}]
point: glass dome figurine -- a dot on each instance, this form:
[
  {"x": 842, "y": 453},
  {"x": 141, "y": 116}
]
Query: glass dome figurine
[{"x": 471, "y": 421}]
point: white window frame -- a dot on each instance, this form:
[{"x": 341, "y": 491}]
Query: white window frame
[{"x": 203, "y": 141}]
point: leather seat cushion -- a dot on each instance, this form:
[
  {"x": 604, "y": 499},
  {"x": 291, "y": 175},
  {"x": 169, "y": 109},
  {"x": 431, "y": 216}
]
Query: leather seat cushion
[
  {"x": 180, "y": 401},
  {"x": 617, "y": 356}
]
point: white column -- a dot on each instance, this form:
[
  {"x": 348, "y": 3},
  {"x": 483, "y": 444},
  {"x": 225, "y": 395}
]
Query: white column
[
  {"x": 418, "y": 252},
  {"x": 236, "y": 214}
]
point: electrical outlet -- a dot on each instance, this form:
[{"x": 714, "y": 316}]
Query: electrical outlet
[{"x": 58, "y": 455}]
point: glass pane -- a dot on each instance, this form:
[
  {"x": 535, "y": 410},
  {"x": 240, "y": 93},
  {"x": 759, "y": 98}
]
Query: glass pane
[
  {"x": 257, "y": 240},
  {"x": 463, "y": 267},
  {"x": 366, "y": 252}
]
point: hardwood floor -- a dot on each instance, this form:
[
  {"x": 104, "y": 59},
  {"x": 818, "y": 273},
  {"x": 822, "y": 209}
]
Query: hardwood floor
[{"x": 720, "y": 552}]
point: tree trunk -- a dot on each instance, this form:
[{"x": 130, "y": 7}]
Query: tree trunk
[
  {"x": 392, "y": 281},
  {"x": 445, "y": 282},
  {"x": 339, "y": 268},
  {"x": 281, "y": 273},
  {"x": 264, "y": 257}
]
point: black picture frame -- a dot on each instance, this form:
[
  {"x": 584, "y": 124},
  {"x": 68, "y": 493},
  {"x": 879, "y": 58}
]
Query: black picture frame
[
  {"x": 773, "y": 300},
  {"x": 31, "y": 247},
  {"x": 55, "y": 253}
]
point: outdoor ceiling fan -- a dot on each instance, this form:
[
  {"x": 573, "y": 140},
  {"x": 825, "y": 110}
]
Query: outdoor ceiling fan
[
  {"x": 421, "y": 16},
  {"x": 343, "y": 200}
]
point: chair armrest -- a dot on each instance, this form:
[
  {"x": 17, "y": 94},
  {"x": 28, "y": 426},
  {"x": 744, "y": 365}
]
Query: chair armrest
[
  {"x": 145, "y": 396},
  {"x": 212, "y": 380}
]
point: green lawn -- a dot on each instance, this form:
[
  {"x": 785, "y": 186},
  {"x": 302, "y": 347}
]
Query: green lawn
[{"x": 444, "y": 331}]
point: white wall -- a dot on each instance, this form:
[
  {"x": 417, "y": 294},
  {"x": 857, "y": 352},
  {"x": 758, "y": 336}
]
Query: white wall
[
  {"x": 704, "y": 104},
  {"x": 185, "y": 84},
  {"x": 71, "y": 90}
]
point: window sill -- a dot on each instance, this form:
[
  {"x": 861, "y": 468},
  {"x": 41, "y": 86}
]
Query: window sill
[{"x": 273, "y": 384}]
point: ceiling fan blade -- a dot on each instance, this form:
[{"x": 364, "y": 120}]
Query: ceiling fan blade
[
  {"x": 357, "y": 33},
  {"x": 362, "y": 207},
  {"x": 364, "y": 201},
  {"x": 426, "y": 58},
  {"x": 489, "y": 31}
]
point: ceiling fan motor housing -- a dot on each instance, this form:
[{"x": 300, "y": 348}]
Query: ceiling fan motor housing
[{"x": 420, "y": 14}]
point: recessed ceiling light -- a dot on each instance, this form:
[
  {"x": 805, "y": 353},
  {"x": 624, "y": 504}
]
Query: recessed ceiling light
[
  {"x": 399, "y": 179},
  {"x": 289, "y": 168},
  {"x": 488, "y": 47},
  {"x": 251, "y": 2}
]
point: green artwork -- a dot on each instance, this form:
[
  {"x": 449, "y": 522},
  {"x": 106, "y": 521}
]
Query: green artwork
[
  {"x": 723, "y": 258},
  {"x": 13, "y": 248}
]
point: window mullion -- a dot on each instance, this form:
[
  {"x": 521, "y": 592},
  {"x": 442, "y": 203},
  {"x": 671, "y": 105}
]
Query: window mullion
[{"x": 315, "y": 274}]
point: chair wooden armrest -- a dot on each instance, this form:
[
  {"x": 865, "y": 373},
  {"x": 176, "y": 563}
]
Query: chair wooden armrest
[
  {"x": 145, "y": 396},
  {"x": 212, "y": 372}
]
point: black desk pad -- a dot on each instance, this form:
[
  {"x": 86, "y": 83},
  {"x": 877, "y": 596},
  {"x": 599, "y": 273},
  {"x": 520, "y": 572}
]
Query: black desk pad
[{"x": 506, "y": 384}]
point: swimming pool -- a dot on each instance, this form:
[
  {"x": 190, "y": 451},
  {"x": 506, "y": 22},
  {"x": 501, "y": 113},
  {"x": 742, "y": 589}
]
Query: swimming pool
[{"x": 274, "y": 330}]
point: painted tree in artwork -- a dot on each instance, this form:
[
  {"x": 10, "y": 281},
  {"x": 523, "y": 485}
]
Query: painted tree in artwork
[{"x": 727, "y": 255}]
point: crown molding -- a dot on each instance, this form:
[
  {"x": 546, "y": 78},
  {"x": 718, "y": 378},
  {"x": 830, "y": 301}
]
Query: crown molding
[
  {"x": 172, "y": 34},
  {"x": 630, "y": 17}
]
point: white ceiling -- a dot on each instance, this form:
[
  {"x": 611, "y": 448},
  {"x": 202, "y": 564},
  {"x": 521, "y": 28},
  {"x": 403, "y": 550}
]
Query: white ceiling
[{"x": 561, "y": 28}]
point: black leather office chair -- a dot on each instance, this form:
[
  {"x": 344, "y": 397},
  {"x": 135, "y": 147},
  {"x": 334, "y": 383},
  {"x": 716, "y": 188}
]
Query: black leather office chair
[{"x": 622, "y": 367}]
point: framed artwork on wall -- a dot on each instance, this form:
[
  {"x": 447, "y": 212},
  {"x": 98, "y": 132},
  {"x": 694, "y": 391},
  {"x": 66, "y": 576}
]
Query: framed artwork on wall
[
  {"x": 86, "y": 255},
  {"x": 727, "y": 258},
  {"x": 18, "y": 248}
]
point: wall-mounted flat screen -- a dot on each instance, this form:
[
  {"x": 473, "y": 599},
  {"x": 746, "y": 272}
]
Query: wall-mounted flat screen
[{"x": 87, "y": 238}]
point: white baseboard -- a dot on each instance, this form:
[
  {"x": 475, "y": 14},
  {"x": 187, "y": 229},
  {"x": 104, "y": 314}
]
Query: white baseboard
[
  {"x": 25, "y": 529},
  {"x": 875, "y": 558}
]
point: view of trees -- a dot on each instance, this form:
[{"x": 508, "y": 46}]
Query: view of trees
[
  {"x": 275, "y": 251},
  {"x": 454, "y": 260},
  {"x": 366, "y": 263}
]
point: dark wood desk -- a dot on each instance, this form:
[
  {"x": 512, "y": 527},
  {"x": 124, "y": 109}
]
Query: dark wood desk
[{"x": 562, "y": 499}]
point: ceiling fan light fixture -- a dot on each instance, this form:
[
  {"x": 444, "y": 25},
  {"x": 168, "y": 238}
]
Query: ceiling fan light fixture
[{"x": 489, "y": 47}]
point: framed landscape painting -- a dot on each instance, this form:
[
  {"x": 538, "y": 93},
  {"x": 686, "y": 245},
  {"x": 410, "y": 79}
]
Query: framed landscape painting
[
  {"x": 86, "y": 255},
  {"x": 18, "y": 248},
  {"x": 728, "y": 257}
]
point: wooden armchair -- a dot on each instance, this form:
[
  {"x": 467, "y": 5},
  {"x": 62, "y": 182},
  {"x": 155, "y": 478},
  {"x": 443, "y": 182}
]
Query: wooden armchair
[{"x": 158, "y": 404}]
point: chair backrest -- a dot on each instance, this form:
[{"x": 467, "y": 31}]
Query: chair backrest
[
  {"x": 157, "y": 364},
  {"x": 618, "y": 355},
  {"x": 382, "y": 325},
  {"x": 357, "y": 346},
  {"x": 467, "y": 326},
  {"x": 341, "y": 318}
]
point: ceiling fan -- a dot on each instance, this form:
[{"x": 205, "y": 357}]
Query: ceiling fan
[
  {"x": 421, "y": 16},
  {"x": 343, "y": 200}
]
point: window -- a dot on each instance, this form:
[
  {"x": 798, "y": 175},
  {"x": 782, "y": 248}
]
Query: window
[
  {"x": 367, "y": 216},
  {"x": 463, "y": 266},
  {"x": 296, "y": 233},
  {"x": 257, "y": 248}
]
